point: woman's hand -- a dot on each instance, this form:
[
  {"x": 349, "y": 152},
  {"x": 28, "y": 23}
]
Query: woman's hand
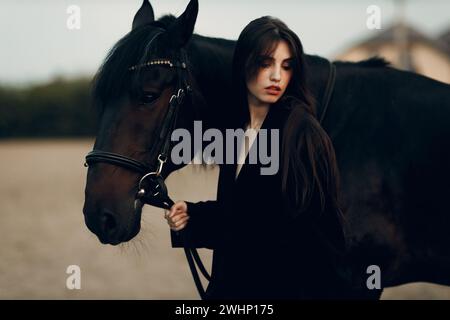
[{"x": 177, "y": 217}]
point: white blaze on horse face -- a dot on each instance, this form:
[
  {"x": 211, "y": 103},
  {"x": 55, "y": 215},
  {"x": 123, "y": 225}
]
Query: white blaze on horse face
[{"x": 275, "y": 71}]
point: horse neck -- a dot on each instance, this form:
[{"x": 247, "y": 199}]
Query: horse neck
[
  {"x": 211, "y": 61},
  {"x": 318, "y": 76}
]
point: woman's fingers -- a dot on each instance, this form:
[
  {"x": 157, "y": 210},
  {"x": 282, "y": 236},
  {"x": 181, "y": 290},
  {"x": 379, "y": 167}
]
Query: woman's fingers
[
  {"x": 179, "y": 206},
  {"x": 180, "y": 224},
  {"x": 177, "y": 217},
  {"x": 181, "y": 220},
  {"x": 174, "y": 215},
  {"x": 179, "y": 228},
  {"x": 175, "y": 220}
]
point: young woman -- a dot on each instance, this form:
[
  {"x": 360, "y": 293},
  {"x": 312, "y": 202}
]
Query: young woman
[{"x": 273, "y": 236}]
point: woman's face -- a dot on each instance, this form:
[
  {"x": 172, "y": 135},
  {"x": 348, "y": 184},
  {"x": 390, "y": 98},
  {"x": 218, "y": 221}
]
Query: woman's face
[{"x": 272, "y": 78}]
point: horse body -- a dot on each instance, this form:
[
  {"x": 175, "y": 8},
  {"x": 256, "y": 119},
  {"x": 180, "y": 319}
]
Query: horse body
[
  {"x": 391, "y": 139},
  {"x": 391, "y": 135}
]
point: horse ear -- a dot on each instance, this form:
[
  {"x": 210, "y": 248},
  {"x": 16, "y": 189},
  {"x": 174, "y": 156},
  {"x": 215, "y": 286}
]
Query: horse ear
[
  {"x": 182, "y": 28},
  {"x": 144, "y": 15}
]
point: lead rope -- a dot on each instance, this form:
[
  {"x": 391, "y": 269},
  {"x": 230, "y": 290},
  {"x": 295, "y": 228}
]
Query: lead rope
[{"x": 192, "y": 256}]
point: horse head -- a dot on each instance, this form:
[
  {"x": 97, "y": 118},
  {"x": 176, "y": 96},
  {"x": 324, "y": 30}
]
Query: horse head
[{"x": 141, "y": 93}]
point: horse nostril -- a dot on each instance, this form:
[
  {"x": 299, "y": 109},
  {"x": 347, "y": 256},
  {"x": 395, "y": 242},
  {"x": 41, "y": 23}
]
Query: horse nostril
[{"x": 108, "y": 223}]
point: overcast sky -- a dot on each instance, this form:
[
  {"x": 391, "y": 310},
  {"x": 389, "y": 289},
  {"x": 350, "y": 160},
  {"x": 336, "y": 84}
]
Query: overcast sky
[{"x": 36, "y": 44}]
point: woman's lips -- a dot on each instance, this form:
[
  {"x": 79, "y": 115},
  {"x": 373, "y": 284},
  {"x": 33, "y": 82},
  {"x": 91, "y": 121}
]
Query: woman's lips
[{"x": 273, "y": 90}]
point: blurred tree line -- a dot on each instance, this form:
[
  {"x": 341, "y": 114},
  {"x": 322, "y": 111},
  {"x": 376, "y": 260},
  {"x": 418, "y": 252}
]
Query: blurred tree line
[{"x": 60, "y": 108}]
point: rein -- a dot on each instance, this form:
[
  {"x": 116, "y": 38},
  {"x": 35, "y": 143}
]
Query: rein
[{"x": 328, "y": 90}]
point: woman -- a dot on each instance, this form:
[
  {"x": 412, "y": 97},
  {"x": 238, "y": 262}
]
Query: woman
[{"x": 274, "y": 236}]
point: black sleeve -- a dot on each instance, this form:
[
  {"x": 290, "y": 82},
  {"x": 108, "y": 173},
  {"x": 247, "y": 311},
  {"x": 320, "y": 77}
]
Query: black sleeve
[{"x": 203, "y": 227}]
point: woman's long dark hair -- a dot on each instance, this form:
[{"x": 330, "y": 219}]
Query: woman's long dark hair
[{"x": 310, "y": 176}]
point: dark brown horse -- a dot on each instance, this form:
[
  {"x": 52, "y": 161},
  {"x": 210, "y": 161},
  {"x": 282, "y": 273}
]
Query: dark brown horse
[{"x": 390, "y": 130}]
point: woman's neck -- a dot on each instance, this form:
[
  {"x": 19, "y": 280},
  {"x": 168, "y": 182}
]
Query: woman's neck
[{"x": 258, "y": 113}]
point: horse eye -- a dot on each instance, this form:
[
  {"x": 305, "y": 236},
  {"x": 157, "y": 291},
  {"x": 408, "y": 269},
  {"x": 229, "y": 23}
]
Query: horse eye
[{"x": 148, "y": 98}]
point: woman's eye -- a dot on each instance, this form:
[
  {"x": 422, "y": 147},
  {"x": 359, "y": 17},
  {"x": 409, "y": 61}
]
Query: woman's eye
[{"x": 264, "y": 63}]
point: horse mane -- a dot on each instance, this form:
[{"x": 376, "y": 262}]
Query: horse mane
[
  {"x": 112, "y": 79},
  {"x": 166, "y": 20},
  {"x": 372, "y": 62}
]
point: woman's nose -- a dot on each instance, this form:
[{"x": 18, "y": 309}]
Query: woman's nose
[{"x": 275, "y": 74}]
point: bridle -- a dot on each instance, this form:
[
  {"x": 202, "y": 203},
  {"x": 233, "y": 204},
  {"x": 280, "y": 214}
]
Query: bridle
[{"x": 152, "y": 189}]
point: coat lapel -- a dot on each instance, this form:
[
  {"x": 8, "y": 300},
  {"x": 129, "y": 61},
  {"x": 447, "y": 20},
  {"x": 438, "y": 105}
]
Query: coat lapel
[{"x": 247, "y": 168}]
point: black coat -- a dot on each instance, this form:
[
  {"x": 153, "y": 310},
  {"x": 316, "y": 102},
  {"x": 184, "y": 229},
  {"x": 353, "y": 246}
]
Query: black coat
[{"x": 260, "y": 251}]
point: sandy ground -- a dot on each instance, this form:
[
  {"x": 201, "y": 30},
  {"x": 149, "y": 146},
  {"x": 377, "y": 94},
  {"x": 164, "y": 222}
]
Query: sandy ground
[{"x": 42, "y": 232}]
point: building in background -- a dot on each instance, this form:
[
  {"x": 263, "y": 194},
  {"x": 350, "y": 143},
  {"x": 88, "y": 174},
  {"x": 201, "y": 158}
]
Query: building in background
[{"x": 407, "y": 49}]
